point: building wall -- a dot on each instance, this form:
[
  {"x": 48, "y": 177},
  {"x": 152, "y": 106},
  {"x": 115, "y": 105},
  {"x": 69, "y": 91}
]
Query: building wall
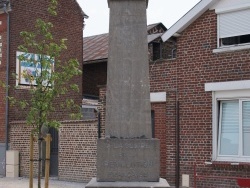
[
  {"x": 77, "y": 149},
  {"x": 67, "y": 24},
  {"x": 160, "y": 132},
  {"x": 3, "y": 54},
  {"x": 184, "y": 79},
  {"x": 3, "y": 60},
  {"x": 163, "y": 79},
  {"x": 94, "y": 75},
  {"x": 19, "y": 139},
  {"x": 165, "y": 50}
]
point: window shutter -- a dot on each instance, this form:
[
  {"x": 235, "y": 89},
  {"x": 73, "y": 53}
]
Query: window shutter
[
  {"x": 246, "y": 127},
  {"x": 234, "y": 23},
  {"x": 229, "y": 128}
]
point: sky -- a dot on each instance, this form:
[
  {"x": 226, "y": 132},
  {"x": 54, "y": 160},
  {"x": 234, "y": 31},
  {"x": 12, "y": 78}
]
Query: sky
[{"x": 165, "y": 11}]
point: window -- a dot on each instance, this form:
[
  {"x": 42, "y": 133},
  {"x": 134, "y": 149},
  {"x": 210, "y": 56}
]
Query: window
[
  {"x": 234, "y": 128},
  {"x": 173, "y": 55},
  {"x": 233, "y": 27},
  {"x": 231, "y": 120},
  {"x": 169, "y": 49},
  {"x": 156, "y": 50},
  {"x": 235, "y": 40}
]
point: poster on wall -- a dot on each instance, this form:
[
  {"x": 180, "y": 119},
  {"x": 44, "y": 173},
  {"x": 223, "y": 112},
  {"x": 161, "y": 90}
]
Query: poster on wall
[{"x": 29, "y": 69}]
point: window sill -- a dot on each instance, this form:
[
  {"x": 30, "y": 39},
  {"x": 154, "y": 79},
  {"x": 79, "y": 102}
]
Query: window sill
[
  {"x": 231, "y": 48},
  {"x": 23, "y": 87},
  {"x": 161, "y": 60},
  {"x": 227, "y": 163},
  {"x": 231, "y": 161}
]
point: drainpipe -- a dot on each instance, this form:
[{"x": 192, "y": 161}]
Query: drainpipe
[
  {"x": 177, "y": 184},
  {"x": 7, "y": 79},
  {"x": 99, "y": 124}
]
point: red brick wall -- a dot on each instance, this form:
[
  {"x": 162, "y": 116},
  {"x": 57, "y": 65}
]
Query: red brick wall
[
  {"x": 3, "y": 40},
  {"x": 94, "y": 75},
  {"x": 67, "y": 24},
  {"x": 196, "y": 65},
  {"x": 77, "y": 149},
  {"x": 160, "y": 133},
  {"x": 19, "y": 139},
  {"x": 183, "y": 79},
  {"x": 163, "y": 78}
]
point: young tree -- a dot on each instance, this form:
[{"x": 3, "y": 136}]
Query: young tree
[{"x": 46, "y": 84}]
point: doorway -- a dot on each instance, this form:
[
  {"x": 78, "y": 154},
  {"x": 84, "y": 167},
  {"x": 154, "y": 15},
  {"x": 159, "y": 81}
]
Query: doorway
[{"x": 54, "y": 152}]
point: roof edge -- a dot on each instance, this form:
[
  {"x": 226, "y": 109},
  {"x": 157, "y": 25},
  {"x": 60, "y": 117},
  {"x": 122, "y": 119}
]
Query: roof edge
[
  {"x": 83, "y": 13},
  {"x": 95, "y": 61},
  {"x": 188, "y": 18}
]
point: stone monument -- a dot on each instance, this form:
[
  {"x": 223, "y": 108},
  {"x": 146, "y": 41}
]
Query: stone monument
[{"x": 128, "y": 156}]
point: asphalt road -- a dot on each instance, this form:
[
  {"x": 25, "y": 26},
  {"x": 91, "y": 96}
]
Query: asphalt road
[{"x": 24, "y": 183}]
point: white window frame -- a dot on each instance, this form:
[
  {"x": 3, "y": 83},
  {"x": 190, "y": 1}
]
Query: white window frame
[
  {"x": 239, "y": 157},
  {"x": 235, "y": 47},
  {"x": 236, "y": 90}
]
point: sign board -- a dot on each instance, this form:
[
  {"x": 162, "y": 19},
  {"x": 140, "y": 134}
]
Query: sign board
[{"x": 30, "y": 68}]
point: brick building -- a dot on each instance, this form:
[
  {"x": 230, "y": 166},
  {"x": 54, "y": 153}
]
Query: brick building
[
  {"x": 4, "y": 9},
  {"x": 95, "y": 57},
  {"x": 17, "y": 16},
  {"x": 200, "y": 98}
]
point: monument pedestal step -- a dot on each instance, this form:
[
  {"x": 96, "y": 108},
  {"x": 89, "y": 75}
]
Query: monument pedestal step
[{"x": 94, "y": 184}]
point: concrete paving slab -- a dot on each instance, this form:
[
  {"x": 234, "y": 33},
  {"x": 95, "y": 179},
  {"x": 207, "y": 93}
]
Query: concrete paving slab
[
  {"x": 24, "y": 183},
  {"x": 161, "y": 184}
]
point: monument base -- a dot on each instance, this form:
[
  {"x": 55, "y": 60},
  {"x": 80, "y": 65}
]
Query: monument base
[
  {"x": 128, "y": 160},
  {"x": 94, "y": 184}
]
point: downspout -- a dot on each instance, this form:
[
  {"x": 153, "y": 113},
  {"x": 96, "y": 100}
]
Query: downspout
[
  {"x": 99, "y": 124},
  {"x": 177, "y": 184},
  {"x": 7, "y": 79},
  {"x": 177, "y": 131}
]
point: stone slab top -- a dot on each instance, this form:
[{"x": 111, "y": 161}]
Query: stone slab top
[
  {"x": 130, "y": 0},
  {"x": 161, "y": 184}
]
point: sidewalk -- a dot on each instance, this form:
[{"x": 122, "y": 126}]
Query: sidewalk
[{"x": 24, "y": 183}]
